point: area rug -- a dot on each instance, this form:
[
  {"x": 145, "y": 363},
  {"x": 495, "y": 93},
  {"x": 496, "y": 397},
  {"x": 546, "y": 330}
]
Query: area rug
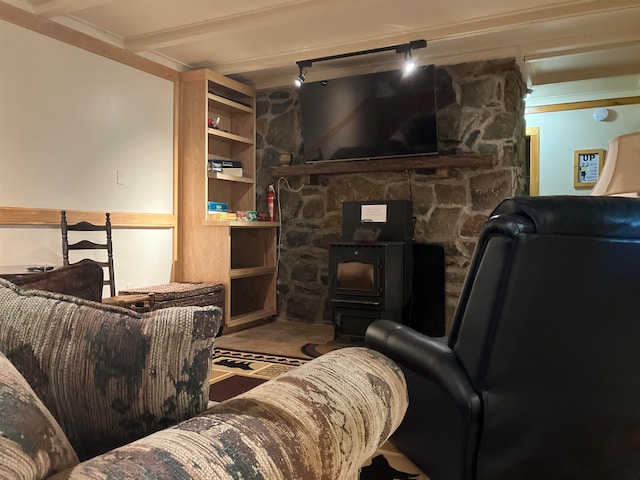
[
  {"x": 235, "y": 372},
  {"x": 314, "y": 350}
]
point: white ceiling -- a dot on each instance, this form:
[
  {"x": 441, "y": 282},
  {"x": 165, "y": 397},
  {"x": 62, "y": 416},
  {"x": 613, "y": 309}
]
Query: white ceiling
[{"x": 259, "y": 41}]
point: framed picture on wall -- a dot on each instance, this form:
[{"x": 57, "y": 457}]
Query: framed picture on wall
[{"x": 587, "y": 165}]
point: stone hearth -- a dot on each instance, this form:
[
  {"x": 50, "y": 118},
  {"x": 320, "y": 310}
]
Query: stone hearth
[{"x": 480, "y": 110}]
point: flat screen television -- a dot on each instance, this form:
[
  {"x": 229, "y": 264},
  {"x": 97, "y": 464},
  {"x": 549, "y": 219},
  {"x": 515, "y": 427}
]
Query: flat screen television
[{"x": 378, "y": 115}]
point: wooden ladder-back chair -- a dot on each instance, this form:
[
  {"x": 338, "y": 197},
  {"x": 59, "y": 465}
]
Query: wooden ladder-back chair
[{"x": 106, "y": 264}]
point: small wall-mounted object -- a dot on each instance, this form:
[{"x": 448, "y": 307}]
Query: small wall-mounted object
[
  {"x": 600, "y": 114},
  {"x": 587, "y": 165}
]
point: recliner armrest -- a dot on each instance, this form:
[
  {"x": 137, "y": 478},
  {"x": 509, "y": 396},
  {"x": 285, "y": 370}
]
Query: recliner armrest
[{"x": 428, "y": 357}]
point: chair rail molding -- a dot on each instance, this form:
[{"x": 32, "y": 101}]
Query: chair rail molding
[{"x": 46, "y": 216}]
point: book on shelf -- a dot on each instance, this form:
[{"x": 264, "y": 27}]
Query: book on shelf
[
  {"x": 235, "y": 172},
  {"x": 224, "y": 162},
  {"x": 228, "y": 167}
]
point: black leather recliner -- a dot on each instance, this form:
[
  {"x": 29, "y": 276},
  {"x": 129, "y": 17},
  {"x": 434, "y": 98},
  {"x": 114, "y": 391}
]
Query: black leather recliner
[{"x": 540, "y": 375}]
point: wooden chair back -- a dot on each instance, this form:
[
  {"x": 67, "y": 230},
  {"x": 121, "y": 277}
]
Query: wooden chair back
[{"x": 85, "y": 244}]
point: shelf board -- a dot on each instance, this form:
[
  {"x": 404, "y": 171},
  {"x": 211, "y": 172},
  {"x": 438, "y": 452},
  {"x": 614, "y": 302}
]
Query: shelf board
[
  {"x": 251, "y": 272},
  {"x": 245, "y": 224},
  {"x": 441, "y": 165},
  {"x": 229, "y": 178},
  {"x": 229, "y": 136},
  {"x": 240, "y": 224},
  {"x": 226, "y": 87},
  {"x": 227, "y": 105},
  {"x": 235, "y": 320}
]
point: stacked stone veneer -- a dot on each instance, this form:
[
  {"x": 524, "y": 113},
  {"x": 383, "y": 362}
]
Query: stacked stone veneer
[{"x": 480, "y": 110}]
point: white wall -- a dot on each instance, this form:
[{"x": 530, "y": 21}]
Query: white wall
[
  {"x": 141, "y": 256},
  {"x": 565, "y": 131},
  {"x": 71, "y": 122}
]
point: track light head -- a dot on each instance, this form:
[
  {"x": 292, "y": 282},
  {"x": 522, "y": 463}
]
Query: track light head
[
  {"x": 299, "y": 80},
  {"x": 409, "y": 63}
]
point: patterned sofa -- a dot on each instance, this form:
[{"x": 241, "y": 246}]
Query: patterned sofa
[{"x": 92, "y": 391}]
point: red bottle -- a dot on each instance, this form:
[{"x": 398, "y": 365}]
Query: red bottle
[{"x": 271, "y": 201}]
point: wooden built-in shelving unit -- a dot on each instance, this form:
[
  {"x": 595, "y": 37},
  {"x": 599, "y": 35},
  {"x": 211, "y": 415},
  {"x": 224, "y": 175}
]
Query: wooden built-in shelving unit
[{"x": 240, "y": 255}]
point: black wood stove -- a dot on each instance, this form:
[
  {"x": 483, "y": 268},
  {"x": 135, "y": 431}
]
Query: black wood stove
[{"x": 370, "y": 271}]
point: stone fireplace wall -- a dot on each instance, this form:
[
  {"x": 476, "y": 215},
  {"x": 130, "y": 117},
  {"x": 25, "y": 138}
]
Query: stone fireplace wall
[{"x": 480, "y": 110}]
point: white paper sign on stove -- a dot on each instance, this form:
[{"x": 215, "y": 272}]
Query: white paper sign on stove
[{"x": 373, "y": 214}]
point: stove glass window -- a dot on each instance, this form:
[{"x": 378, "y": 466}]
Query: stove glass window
[{"x": 356, "y": 276}]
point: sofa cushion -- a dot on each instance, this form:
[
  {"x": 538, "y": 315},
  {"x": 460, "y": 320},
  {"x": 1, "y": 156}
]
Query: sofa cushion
[
  {"x": 82, "y": 279},
  {"x": 32, "y": 445},
  {"x": 107, "y": 374}
]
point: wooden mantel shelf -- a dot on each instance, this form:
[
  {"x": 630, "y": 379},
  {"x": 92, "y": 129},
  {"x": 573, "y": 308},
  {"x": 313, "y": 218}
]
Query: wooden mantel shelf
[{"x": 440, "y": 165}]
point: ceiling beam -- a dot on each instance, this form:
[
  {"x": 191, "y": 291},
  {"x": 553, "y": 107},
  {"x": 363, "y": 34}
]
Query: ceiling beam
[
  {"x": 597, "y": 41},
  {"x": 587, "y": 73},
  {"x": 196, "y": 31},
  {"x": 49, "y": 28},
  {"x": 53, "y": 8}
]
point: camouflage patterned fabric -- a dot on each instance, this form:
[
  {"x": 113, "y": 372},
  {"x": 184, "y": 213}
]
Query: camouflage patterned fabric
[
  {"x": 319, "y": 421},
  {"x": 108, "y": 375},
  {"x": 32, "y": 445}
]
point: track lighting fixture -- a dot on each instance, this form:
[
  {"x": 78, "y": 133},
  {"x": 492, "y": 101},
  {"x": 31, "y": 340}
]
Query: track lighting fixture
[
  {"x": 405, "y": 48},
  {"x": 302, "y": 66},
  {"x": 300, "y": 78}
]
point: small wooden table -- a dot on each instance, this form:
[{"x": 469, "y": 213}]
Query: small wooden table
[{"x": 141, "y": 303}]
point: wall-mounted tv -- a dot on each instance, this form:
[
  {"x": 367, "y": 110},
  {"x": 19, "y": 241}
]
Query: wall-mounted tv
[{"x": 378, "y": 115}]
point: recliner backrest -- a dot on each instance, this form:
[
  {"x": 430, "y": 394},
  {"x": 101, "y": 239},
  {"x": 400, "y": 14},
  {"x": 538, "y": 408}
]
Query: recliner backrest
[{"x": 547, "y": 331}]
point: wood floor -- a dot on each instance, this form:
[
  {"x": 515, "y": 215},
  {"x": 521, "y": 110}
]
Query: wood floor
[{"x": 277, "y": 338}]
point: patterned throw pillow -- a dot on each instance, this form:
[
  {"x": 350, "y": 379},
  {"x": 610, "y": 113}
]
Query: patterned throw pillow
[
  {"x": 107, "y": 374},
  {"x": 32, "y": 445}
]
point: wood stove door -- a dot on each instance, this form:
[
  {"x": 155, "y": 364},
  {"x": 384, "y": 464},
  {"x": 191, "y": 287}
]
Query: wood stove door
[{"x": 352, "y": 322}]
